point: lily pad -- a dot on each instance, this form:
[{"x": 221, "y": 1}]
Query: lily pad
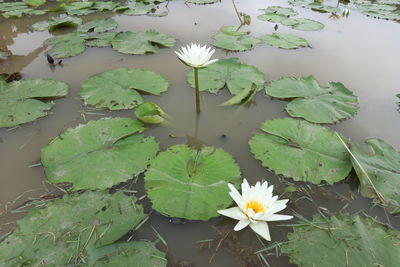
[
  {"x": 136, "y": 8},
  {"x": 99, "y": 154},
  {"x": 20, "y": 12},
  {"x": 284, "y": 40},
  {"x": 243, "y": 97},
  {"x": 382, "y": 164},
  {"x": 343, "y": 240},
  {"x": 186, "y": 183},
  {"x": 230, "y": 72},
  {"x": 67, "y": 45},
  {"x": 79, "y": 8},
  {"x": 301, "y": 150},
  {"x": 303, "y": 24},
  {"x": 141, "y": 42},
  {"x": 64, "y": 231},
  {"x": 148, "y": 112},
  {"x": 203, "y": 2},
  {"x": 313, "y": 102},
  {"x": 100, "y": 40},
  {"x": 98, "y": 25},
  {"x": 117, "y": 89},
  {"x": 22, "y": 101},
  {"x": 277, "y": 14},
  {"x": 56, "y": 23},
  {"x": 233, "y": 40},
  {"x": 105, "y": 6},
  {"x": 141, "y": 253},
  {"x": 322, "y": 8},
  {"x": 34, "y": 3}
]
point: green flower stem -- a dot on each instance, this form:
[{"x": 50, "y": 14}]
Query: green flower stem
[{"x": 196, "y": 83}]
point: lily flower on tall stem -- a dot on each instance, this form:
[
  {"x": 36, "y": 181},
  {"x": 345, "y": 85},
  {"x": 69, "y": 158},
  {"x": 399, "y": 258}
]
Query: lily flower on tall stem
[
  {"x": 196, "y": 57},
  {"x": 255, "y": 207}
]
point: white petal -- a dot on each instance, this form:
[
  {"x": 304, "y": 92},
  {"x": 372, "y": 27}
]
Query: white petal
[
  {"x": 236, "y": 196},
  {"x": 261, "y": 228},
  {"x": 278, "y": 217},
  {"x": 234, "y": 213},
  {"x": 241, "y": 224},
  {"x": 245, "y": 188}
]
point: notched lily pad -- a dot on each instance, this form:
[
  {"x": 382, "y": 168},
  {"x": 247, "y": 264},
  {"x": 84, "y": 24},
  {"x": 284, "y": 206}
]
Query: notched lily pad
[
  {"x": 99, "y": 154},
  {"x": 243, "y": 97},
  {"x": 98, "y": 25},
  {"x": 313, "y": 102},
  {"x": 231, "y": 39},
  {"x": 284, "y": 40},
  {"x": 22, "y": 101},
  {"x": 148, "y": 112},
  {"x": 100, "y": 40},
  {"x": 141, "y": 42},
  {"x": 67, "y": 45},
  {"x": 382, "y": 164},
  {"x": 343, "y": 240},
  {"x": 77, "y": 223},
  {"x": 277, "y": 14},
  {"x": 303, "y": 24},
  {"x": 56, "y": 23},
  {"x": 301, "y": 150},
  {"x": 118, "y": 89},
  {"x": 230, "y": 72},
  {"x": 197, "y": 180}
]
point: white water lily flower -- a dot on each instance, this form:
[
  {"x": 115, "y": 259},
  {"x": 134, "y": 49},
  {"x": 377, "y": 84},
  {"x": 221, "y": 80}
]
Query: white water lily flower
[
  {"x": 256, "y": 206},
  {"x": 196, "y": 56}
]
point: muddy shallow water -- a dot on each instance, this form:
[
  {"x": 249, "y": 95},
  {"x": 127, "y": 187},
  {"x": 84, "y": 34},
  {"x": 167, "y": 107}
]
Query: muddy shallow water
[{"x": 361, "y": 52}]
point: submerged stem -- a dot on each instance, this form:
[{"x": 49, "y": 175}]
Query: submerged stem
[{"x": 196, "y": 83}]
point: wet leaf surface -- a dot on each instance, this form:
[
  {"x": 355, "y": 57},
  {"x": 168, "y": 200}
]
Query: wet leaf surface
[{"x": 231, "y": 39}]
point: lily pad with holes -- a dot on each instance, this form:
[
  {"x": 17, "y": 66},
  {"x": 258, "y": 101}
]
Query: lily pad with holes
[
  {"x": 230, "y": 72},
  {"x": 277, "y": 14},
  {"x": 233, "y": 40},
  {"x": 382, "y": 164},
  {"x": 284, "y": 40},
  {"x": 343, "y": 240},
  {"x": 141, "y": 253},
  {"x": 62, "y": 233},
  {"x": 67, "y": 45},
  {"x": 56, "y": 23},
  {"x": 99, "y": 154},
  {"x": 197, "y": 180},
  {"x": 148, "y": 112},
  {"x": 118, "y": 89},
  {"x": 303, "y": 24},
  {"x": 141, "y": 42},
  {"x": 24, "y": 101},
  {"x": 98, "y": 25},
  {"x": 102, "y": 39},
  {"x": 313, "y": 102},
  {"x": 301, "y": 150}
]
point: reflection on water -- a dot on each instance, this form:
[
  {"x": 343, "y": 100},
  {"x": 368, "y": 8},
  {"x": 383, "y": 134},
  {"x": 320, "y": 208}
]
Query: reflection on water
[{"x": 360, "y": 52}]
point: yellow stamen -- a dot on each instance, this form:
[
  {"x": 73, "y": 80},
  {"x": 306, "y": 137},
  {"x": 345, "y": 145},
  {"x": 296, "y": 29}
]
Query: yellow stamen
[{"x": 256, "y": 206}]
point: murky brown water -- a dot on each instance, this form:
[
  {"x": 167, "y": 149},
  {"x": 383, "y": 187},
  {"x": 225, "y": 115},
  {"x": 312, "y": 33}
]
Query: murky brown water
[{"x": 358, "y": 51}]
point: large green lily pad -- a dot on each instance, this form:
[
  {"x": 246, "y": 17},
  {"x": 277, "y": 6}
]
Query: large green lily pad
[
  {"x": 230, "y": 72},
  {"x": 22, "y": 101},
  {"x": 56, "y": 23},
  {"x": 186, "y": 183},
  {"x": 343, "y": 240},
  {"x": 136, "y": 8},
  {"x": 98, "y": 25},
  {"x": 303, "y": 24},
  {"x": 117, "y": 89},
  {"x": 101, "y": 39},
  {"x": 137, "y": 253},
  {"x": 141, "y": 42},
  {"x": 67, "y": 45},
  {"x": 284, "y": 40},
  {"x": 301, "y": 150},
  {"x": 231, "y": 39},
  {"x": 79, "y": 8},
  {"x": 277, "y": 14},
  {"x": 64, "y": 231},
  {"x": 99, "y": 154},
  {"x": 313, "y": 102},
  {"x": 382, "y": 164}
]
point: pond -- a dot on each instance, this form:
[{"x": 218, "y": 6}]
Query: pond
[{"x": 360, "y": 52}]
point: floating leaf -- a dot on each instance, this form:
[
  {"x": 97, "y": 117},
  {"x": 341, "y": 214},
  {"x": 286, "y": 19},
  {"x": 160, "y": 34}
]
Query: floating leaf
[
  {"x": 56, "y": 23},
  {"x": 79, "y": 8},
  {"x": 303, "y": 24},
  {"x": 149, "y": 112},
  {"x": 136, "y": 8},
  {"x": 64, "y": 231},
  {"x": 230, "y": 72},
  {"x": 243, "y": 97},
  {"x": 203, "y": 2},
  {"x": 284, "y": 40},
  {"x": 20, "y": 101},
  {"x": 141, "y": 42},
  {"x": 34, "y": 3},
  {"x": 378, "y": 10},
  {"x": 20, "y": 12},
  {"x": 343, "y": 240},
  {"x": 98, "y": 25},
  {"x": 313, "y": 102},
  {"x": 186, "y": 183},
  {"x": 233, "y": 40},
  {"x": 382, "y": 164},
  {"x": 105, "y": 6},
  {"x": 277, "y": 14},
  {"x": 301, "y": 150},
  {"x": 100, "y": 40},
  {"x": 117, "y": 89},
  {"x": 141, "y": 253},
  {"x": 99, "y": 154},
  {"x": 67, "y": 45}
]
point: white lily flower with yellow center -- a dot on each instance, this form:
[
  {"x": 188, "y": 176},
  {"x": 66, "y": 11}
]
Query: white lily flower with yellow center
[
  {"x": 256, "y": 207},
  {"x": 196, "y": 56}
]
